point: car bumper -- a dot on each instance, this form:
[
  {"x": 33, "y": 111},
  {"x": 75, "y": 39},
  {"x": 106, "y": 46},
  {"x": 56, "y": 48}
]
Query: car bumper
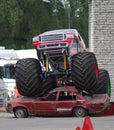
[{"x": 9, "y": 110}]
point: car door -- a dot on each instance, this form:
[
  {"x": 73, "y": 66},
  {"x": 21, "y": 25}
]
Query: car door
[
  {"x": 46, "y": 105},
  {"x": 66, "y": 102}
]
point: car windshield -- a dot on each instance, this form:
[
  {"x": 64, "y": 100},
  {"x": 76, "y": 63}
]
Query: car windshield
[
  {"x": 50, "y": 97},
  {"x": 64, "y": 95}
]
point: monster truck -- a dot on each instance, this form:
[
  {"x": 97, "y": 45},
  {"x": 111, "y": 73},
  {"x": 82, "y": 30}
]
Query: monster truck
[{"x": 63, "y": 60}]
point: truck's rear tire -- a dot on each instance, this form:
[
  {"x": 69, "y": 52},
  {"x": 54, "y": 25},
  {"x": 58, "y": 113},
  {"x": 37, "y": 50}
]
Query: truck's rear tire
[
  {"x": 48, "y": 85},
  {"x": 84, "y": 71},
  {"x": 104, "y": 85},
  {"x": 28, "y": 78}
]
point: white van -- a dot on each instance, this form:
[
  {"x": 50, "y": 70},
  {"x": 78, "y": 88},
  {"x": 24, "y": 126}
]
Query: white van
[{"x": 8, "y": 59}]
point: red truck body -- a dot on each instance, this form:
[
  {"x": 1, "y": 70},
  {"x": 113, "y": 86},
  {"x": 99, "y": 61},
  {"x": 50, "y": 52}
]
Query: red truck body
[
  {"x": 60, "y": 101},
  {"x": 57, "y": 39}
]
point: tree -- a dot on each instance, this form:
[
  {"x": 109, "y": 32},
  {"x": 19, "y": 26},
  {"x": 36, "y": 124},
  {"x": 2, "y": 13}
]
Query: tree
[
  {"x": 79, "y": 17},
  {"x": 10, "y": 14},
  {"x": 21, "y": 20}
]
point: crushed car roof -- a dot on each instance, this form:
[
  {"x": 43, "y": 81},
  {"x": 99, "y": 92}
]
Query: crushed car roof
[{"x": 67, "y": 88}]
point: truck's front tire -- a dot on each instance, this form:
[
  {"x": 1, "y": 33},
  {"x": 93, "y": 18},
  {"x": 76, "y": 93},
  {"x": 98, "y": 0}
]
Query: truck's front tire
[
  {"x": 28, "y": 78},
  {"x": 84, "y": 71}
]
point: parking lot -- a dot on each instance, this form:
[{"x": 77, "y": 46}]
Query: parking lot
[{"x": 53, "y": 123}]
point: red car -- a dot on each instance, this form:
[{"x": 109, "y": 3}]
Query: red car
[{"x": 60, "y": 101}]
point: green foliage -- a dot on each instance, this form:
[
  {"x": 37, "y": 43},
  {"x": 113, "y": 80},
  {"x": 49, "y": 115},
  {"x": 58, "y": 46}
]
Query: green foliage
[{"x": 21, "y": 20}]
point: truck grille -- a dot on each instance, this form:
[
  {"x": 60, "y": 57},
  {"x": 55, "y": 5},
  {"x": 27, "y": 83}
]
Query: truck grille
[
  {"x": 53, "y": 37},
  {"x": 52, "y": 46}
]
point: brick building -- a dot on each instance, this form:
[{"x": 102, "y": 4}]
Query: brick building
[{"x": 101, "y": 35}]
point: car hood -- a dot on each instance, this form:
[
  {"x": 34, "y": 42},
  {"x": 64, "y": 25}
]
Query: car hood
[{"x": 22, "y": 99}]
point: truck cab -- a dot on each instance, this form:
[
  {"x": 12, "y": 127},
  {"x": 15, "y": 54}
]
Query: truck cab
[
  {"x": 8, "y": 59},
  {"x": 55, "y": 49}
]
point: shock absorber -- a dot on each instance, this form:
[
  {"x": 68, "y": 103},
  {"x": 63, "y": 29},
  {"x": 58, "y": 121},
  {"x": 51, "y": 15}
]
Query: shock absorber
[
  {"x": 65, "y": 61},
  {"x": 47, "y": 64}
]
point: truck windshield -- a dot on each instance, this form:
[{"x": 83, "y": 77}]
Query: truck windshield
[
  {"x": 74, "y": 46},
  {"x": 6, "y": 73}
]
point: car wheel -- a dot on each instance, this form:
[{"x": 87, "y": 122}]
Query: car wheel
[
  {"x": 79, "y": 112},
  {"x": 20, "y": 112}
]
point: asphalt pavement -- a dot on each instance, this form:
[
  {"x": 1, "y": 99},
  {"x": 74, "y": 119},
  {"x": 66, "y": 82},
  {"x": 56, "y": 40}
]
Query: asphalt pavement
[
  {"x": 53, "y": 123},
  {"x": 3, "y": 113},
  {"x": 49, "y": 123}
]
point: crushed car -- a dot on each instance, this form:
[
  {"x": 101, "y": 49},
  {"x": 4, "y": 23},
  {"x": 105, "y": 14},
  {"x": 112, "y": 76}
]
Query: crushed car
[{"x": 59, "y": 101}]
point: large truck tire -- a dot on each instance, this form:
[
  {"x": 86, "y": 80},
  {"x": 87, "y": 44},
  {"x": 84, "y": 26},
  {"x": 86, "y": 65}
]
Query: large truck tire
[
  {"x": 104, "y": 85},
  {"x": 48, "y": 85},
  {"x": 28, "y": 78},
  {"x": 84, "y": 72}
]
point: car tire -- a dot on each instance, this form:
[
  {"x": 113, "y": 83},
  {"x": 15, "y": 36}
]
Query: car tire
[
  {"x": 20, "y": 112},
  {"x": 104, "y": 85},
  {"x": 28, "y": 80},
  {"x": 84, "y": 71},
  {"x": 79, "y": 112}
]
